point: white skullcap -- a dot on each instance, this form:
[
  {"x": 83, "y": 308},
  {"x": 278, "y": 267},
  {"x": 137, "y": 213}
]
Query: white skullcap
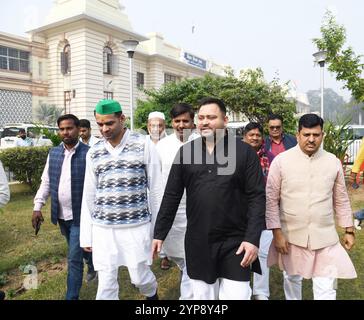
[{"x": 156, "y": 114}]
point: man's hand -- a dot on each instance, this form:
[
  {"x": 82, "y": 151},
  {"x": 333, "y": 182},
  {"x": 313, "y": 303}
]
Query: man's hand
[
  {"x": 349, "y": 240},
  {"x": 37, "y": 216},
  {"x": 251, "y": 253},
  {"x": 352, "y": 178},
  {"x": 280, "y": 242},
  {"x": 156, "y": 248},
  {"x": 87, "y": 249}
]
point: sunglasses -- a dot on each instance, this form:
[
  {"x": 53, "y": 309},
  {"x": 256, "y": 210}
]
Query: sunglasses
[{"x": 275, "y": 127}]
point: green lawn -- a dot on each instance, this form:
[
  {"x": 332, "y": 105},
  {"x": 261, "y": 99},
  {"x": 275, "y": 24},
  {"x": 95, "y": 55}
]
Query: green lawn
[{"x": 19, "y": 247}]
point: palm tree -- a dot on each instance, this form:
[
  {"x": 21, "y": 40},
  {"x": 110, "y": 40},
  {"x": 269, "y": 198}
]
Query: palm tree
[{"x": 48, "y": 114}]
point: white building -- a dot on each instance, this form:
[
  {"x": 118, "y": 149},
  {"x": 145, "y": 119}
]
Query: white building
[
  {"x": 301, "y": 99},
  {"x": 77, "y": 58},
  {"x": 23, "y": 78}
]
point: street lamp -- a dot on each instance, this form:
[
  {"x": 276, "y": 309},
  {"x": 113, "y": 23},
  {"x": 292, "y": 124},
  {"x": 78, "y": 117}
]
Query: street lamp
[
  {"x": 130, "y": 46},
  {"x": 320, "y": 58}
]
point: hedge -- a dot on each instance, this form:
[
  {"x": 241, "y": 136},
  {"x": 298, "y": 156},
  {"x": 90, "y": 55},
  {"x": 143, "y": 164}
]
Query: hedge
[{"x": 26, "y": 163}]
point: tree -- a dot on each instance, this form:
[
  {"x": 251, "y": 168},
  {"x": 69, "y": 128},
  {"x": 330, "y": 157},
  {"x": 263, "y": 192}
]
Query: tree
[
  {"x": 48, "y": 114},
  {"x": 334, "y": 103},
  {"x": 343, "y": 62},
  {"x": 248, "y": 94},
  {"x": 356, "y": 110}
]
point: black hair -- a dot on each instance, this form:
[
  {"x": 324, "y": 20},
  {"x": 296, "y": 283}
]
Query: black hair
[
  {"x": 116, "y": 114},
  {"x": 22, "y": 130},
  {"x": 210, "y": 100},
  {"x": 69, "y": 117},
  {"x": 310, "y": 120},
  {"x": 275, "y": 117},
  {"x": 84, "y": 123},
  {"x": 181, "y": 108},
  {"x": 253, "y": 125}
]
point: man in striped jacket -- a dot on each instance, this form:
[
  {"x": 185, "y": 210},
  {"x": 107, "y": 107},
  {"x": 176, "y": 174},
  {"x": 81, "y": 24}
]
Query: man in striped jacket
[{"x": 116, "y": 208}]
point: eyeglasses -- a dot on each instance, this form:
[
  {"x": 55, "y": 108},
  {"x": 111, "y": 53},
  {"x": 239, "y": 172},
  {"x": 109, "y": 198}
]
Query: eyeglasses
[{"x": 275, "y": 127}]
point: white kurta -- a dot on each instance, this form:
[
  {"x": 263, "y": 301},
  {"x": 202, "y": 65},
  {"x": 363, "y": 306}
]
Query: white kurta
[
  {"x": 120, "y": 245},
  {"x": 28, "y": 142},
  {"x": 173, "y": 245},
  {"x": 4, "y": 187}
]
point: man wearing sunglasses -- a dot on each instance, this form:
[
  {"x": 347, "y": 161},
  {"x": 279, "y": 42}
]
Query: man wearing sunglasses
[{"x": 278, "y": 141}]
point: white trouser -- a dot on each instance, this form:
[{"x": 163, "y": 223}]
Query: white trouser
[
  {"x": 141, "y": 276},
  {"x": 222, "y": 289},
  {"x": 261, "y": 282},
  {"x": 162, "y": 254},
  {"x": 186, "y": 285},
  {"x": 323, "y": 288}
]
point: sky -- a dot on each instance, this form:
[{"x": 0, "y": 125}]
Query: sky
[{"x": 275, "y": 35}]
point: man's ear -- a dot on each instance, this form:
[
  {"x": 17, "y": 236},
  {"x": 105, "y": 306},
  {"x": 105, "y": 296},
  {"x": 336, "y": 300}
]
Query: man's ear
[
  {"x": 226, "y": 120},
  {"x": 122, "y": 118}
]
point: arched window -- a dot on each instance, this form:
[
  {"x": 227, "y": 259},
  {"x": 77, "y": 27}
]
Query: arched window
[
  {"x": 108, "y": 57},
  {"x": 66, "y": 59}
]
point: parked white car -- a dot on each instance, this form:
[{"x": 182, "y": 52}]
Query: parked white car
[
  {"x": 358, "y": 134},
  {"x": 237, "y": 128},
  {"x": 10, "y": 133}
]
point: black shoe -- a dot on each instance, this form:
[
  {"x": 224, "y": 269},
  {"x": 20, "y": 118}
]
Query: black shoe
[
  {"x": 155, "y": 297},
  {"x": 2, "y": 295},
  {"x": 91, "y": 276}
]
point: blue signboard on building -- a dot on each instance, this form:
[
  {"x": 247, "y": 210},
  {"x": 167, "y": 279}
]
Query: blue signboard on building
[{"x": 195, "y": 61}]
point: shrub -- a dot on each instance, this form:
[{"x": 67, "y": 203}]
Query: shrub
[
  {"x": 337, "y": 138},
  {"x": 55, "y": 138},
  {"x": 26, "y": 163}
]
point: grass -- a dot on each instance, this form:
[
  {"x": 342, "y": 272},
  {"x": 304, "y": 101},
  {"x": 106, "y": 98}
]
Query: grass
[
  {"x": 19, "y": 247},
  {"x": 18, "y": 244}
]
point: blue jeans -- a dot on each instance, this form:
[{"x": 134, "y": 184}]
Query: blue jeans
[
  {"x": 74, "y": 257},
  {"x": 359, "y": 215}
]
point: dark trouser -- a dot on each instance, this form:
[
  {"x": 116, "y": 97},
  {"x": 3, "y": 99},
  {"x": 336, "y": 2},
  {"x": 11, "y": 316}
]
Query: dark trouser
[
  {"x": 359, "y": 215},
  {"x": 87, "y": 256},
  {"x": 75, "y": 258}
]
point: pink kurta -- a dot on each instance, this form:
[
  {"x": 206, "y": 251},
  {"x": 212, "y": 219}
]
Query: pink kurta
[{"x": 332, "y": 261}]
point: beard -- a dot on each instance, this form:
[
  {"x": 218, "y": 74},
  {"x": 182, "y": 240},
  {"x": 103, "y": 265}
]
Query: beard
[{"x": 70, "y": 141}]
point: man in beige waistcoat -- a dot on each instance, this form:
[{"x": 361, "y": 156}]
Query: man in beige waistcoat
[{"x": 306, "y": 193}]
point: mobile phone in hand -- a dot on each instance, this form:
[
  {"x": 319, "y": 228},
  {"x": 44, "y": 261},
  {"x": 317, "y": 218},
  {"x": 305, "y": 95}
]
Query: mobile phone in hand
[
  {"x": 355, "y": 185},
  {"x": 37, "y": 227}
]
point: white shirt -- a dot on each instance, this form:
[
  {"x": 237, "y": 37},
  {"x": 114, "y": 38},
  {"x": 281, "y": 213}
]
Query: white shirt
[
  {"x": 27, "y": 142},
  {"x": 161, "y": 137},
  {"x": 153, "y": 171},
  {"x": 93, "y": 140},
  {"x": 4, "y": 187},
  {"x": 64, "y": 188}
]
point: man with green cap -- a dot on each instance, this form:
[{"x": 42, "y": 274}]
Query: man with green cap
[{"x": 116, "y": 217}]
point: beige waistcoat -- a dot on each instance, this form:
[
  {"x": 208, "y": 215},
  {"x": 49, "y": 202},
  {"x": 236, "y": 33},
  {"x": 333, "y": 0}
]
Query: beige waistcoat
[{"x": 306, "y": 203}]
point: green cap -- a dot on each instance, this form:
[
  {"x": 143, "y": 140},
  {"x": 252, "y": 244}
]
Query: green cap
[{"x": 108, "y": 107}]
